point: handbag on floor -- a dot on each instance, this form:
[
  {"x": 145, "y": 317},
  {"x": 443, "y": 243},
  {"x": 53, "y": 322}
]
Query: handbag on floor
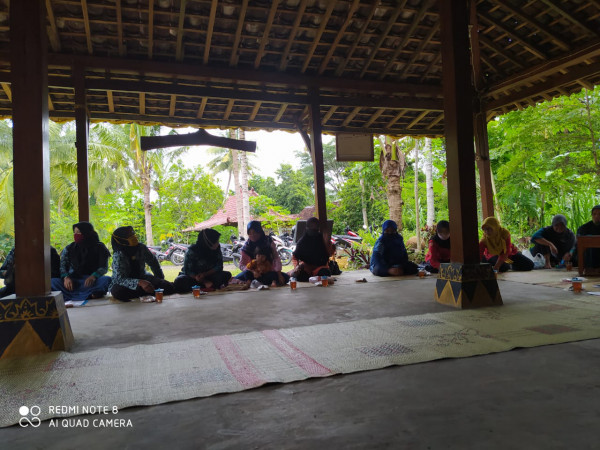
[{"x": 334, "y": 267}]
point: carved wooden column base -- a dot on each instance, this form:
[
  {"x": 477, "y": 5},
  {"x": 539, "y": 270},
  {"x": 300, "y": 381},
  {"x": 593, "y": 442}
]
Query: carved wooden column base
[{"x": 467, "y": 286}]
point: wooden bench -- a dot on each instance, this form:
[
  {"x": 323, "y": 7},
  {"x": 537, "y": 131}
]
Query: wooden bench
[{"x": 583, "y": 243}]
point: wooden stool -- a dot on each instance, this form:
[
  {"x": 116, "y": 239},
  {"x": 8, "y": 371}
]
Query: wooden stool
[{"x": 583, "y": 243}]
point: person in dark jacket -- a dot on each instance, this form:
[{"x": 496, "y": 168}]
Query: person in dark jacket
[
  {"x": 554, "y": 242},
  {"x": 592, "y": 255},
  {"x": 203, "y": 264},
  {"x": 129, "y": 277},
  {"x": 83, "y": 266},
  {"x": 390, "y": 257},
  {"x": 312, "y": 253},
  {"x": 7, "y": 271}
]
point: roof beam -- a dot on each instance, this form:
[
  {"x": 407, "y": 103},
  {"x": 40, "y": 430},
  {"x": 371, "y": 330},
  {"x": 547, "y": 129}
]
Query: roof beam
[
  {"x": 172, "y": 104},
  {"x": 313, "y": 47},
  {"x": 546, "y": 68},
  {"x": 142, "y": 103},
  {"x": 292, "y": 36},
  {"x": 209, "y": 31},
  {"x": 339, "y": 36},
  {"x": 280, "y": 112},
  {"x": 417, "y": 119},
  {"x": 267, "y": 31},
  {"x": 202, "y": 107},
  {"x": 527, "y": 18},
  {"x": 179, "y": 48},
  {"x": 120, "y": 29},
  {"x": 351, "y": 116},
  {"x": 111, "y": 102},
  {"x": 54, "y": 37},
  {"x": 193, "y": 71},
  {"x": 238, "y": 34},
  {"x": 384, "y": 35},
  {"x": 374, "y": 117},
  {"x": 495, "y": 48},
  {"x": 567, "y": 15},
  {"x": 329, "y": 114},
  {"x": 228, "y": 109},
  {"x": 417, "y": 53},
  {"x": 86, "y": 22},
  {"x": 255, "y": 110},
  {"x": 7, "y": 91},
  {"x": 554, "y": 82},
  {"x": 150, "y": 28}
]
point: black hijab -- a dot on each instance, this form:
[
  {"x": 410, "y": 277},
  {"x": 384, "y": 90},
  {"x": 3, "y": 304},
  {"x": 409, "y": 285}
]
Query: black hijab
[
  {"x": 445, "y": 225},
  {"x": 89, "y": 254},
  {"x": 311, "y": 248},
  {"x": 206, "y": 239},
  {"x": 264, "y": 240}
]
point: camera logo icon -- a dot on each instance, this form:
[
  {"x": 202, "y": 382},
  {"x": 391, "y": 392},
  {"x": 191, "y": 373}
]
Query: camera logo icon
[{"x": 32, "y": 412}]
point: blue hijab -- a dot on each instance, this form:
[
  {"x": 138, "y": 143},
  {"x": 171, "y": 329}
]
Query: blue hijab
[
  {"x": 394, "y": 251},
  {"x": 263, "y": 242}
]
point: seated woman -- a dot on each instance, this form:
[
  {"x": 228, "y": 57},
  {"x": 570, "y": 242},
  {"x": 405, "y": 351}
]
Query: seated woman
[
  {"x": 83, "y": 266},
  {"x": 129, "y": 278},
  {"x": 497, "y": 249},
  {"x": 258, "y": 239},
  {"x": 439, "y": 247},
  {"x": 7, "y": 271},
  {"x": 261, "y": 269},
  {"x": 389, "y": 256},
  {"x": 591, "y": 257},
  {"x": 203, "y": 264},
  {"x": 554, "y": 242},
  {"x": 312, "y": 253}
]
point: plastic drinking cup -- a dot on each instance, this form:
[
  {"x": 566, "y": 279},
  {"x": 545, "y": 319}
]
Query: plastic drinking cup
[
  {"x": 577, "y": 286},
  {"x": 324, "y": 281},
  {"x": 421, "y": 273},
  {"x": 196, "y": 291},
  {"x": 292, "y": 284},
  {"x": 569, "y": 266},
  {"x": 158, "y": 293}
]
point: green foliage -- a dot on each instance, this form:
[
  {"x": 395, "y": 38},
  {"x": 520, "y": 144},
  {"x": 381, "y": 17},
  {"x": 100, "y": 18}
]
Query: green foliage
[{"x": 359, "y": 256}]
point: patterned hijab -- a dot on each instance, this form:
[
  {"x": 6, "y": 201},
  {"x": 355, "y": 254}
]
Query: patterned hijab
[{"x": 496, "y": 243}]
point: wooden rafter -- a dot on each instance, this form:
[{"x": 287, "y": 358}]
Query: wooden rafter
[
  {"x": 53, "y": 35},
  {"x": 407, "y": 36},
  {"x": 506, "y": 5},
  {"x": 279, "y": 114},
  {"x": 500, "y": 51},
  {"x": 350, "y": 117},
  {"x": 150, "y": 28},
  {"x": 329, "y": 114},
  {"x": 435, "y": 121},
  {"x": 111, "y": 102},
  {"x": 265, "y": 37},
  {"x": 567, "y": 15},
  {"x": 209, "y": 31},
  {"x": 317, "y": 39},
  {"x": 202, "y": 107},
  {"x": 228, "y": 109},
  {"x": 50, "y": 104},
  {"x": 255, "y": 110},
  {"x": 395, "y": 119},
  {"x": 434, "y": 29},
  {"x": 357, "y": 40},
  {"x": 383, "y": 36},
  {"x": 531, "y": 48},
  {"x": 339, "y": 35},
  {"x": 86, "y": 21},
  {"x": 431, "y": 65},
  {"x": 374, "y": 117},
  {"x": 292, "y": 36},
  {"x": 172, "y": 104},
  {"x": 417, "y": 119},
  {"x": 142, "y": 103},
  {"x": 120, "y": 28},
  {"x": 238, "y": 34},
  {"x": 7, "y": 91},
  {"x": 179, "y": 48}
]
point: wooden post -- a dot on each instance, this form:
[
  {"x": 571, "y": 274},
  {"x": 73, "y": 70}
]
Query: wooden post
[
  {"x": 34, "y": 320},
  {"x": 316, "y": 149},
  {"x": 31, "y": 156},
  {"x": 82, "y": 126},
  {"x": 463, "y": 282},
  {"x": 483, "y": 165}
]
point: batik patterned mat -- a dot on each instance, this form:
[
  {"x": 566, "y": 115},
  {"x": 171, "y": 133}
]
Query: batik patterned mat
[{"x": 159, "y": 373}]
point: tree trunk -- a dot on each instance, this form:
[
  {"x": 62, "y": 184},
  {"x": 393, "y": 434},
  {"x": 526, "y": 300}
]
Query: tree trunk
[
  {"x": 591, "y": 127},
  {"x": 363, "y": 203},
  {"x": 394, "y": 197},
  {"x": 428, "y": 152},
  {"x": 238, "y": 193},
  {"x": 244, "y": 182},
  {"x": 147, "y": 206},
  {"x": 417, "y": 214},
  {"x": 392, "y": 169}
]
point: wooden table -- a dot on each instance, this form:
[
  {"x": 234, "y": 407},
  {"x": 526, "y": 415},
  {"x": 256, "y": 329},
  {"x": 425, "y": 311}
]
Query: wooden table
[{"x": 583, "y": 243}]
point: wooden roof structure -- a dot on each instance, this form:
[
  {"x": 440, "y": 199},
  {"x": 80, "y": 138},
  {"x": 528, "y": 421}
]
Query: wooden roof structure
[{"x": 253, "y": 63}]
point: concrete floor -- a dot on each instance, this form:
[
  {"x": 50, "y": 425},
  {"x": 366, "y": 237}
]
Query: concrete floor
[{"x": 544, "y": 397}]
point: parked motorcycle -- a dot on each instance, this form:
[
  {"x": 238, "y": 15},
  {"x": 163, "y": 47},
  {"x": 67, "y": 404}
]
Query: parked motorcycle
[
  {"x": 232, "y": 252},
  {"x": 174, "y": 252},
  {"x": 347, "y": 240},
  {"x": 283, "y": 250}
]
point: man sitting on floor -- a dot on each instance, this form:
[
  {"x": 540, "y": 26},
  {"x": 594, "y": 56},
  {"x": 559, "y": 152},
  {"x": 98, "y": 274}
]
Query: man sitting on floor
[{"x": 591, "y": 259}]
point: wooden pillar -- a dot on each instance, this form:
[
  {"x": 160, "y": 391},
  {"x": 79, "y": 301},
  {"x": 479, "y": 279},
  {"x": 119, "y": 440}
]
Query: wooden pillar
[
  {"x": 31, "y": 156},
  {"x": 34, "y": 320},
  {"x": 463, "y": 282},
  {"x": 316, "y": 149},
  {"x": 82, "y": 125},
  {"x": 483, "y": 164}
]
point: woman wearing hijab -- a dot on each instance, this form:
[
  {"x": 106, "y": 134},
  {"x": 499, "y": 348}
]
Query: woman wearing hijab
[
  {"x": 497, "y": 249},
  {"x": 258, "y": 239},
  {"x": 554, "y": 242},
  {"x": 130, "y": 279},
  {"x": 203, "y": 264},
  {"x": 389, "y": 256},
  {"x": 439, "y": 247},
  {"x": 312, "y": 253},
  {"x": 7, "y": 271},
  {"x": 83, "y": 265}
]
